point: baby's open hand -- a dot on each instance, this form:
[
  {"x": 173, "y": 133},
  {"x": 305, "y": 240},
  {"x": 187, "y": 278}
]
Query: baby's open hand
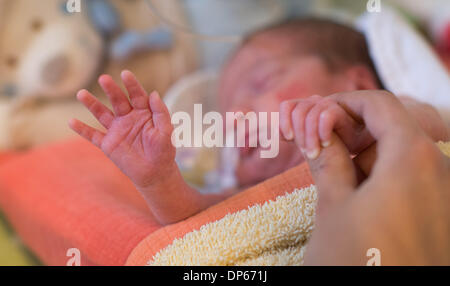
[
  {"x": 312, "y": 121},
  {"x": 138, "y": 133}
]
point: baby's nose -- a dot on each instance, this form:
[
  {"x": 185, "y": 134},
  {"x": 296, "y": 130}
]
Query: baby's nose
[{"x": 241, "y": 116}]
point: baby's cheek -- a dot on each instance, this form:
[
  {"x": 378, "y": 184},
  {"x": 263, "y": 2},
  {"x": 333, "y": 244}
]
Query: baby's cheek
[{"x": 292, "y": 91}]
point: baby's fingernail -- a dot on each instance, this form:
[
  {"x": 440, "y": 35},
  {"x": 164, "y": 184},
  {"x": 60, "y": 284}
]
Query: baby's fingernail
[
  {"x": 155, "y": 94},
  {"x": 290, "y": 135},
  {"x": 312, "y": 154},
  {"x": 81, "y": 93},
  {"x": 125, "y": 73},
  {"x": 326, "y": 144}
]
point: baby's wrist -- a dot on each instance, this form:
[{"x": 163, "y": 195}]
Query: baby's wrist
[
  {"x": 168, "y": 176},
  {"x": 170, "y": 198}
]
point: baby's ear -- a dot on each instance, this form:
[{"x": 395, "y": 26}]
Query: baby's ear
[{"x": 362, "y": 78}]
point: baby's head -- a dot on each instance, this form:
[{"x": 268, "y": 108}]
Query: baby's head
[{"x": 295, "y": 59}]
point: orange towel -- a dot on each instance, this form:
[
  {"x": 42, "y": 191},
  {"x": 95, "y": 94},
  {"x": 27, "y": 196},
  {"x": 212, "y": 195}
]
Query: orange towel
[
  {"x": 69, "y": 195},
  {"x": 5, "y": 156}
]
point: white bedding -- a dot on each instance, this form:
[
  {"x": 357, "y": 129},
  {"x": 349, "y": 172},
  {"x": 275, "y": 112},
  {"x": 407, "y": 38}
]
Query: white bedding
[{"x": 406, "y": 63}]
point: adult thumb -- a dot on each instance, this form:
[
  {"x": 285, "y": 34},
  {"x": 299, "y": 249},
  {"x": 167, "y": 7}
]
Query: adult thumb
[{"x": 334, "y": 175}]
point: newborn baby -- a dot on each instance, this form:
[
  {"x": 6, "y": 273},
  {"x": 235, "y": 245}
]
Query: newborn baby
[{"x": 302, "y": 59}]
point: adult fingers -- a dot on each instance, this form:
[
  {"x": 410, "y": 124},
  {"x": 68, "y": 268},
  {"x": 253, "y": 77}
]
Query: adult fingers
[
  {"x": 388, "y": 122},
  {"x": 334, "y": 174},
  {"x": 366, "y": 159},
  {"x": 353, "y": 134},
  {"x": 385, "y": 118}
]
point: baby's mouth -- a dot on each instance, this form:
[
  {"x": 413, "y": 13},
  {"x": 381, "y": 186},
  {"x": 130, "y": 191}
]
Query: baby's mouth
[{"x": 247, "y": 151}]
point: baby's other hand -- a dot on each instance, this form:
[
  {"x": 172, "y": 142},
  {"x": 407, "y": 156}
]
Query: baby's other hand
[
  {"x": 138, "y": 132},
  {"x": 312, "y": 121}
]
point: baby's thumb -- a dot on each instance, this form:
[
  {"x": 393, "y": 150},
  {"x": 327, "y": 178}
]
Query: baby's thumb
[{"x": 334, "y": 175}]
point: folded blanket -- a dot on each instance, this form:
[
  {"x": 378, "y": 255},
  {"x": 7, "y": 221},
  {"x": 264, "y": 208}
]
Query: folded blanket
[{"x": 273, "y": 234}]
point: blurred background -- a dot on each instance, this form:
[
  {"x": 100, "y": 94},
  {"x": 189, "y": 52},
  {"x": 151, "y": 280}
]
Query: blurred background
[{"x": 49, "y": 49}]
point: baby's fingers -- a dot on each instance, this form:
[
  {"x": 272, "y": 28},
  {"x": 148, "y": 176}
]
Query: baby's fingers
[
  {"x": 100, "y": 111},
  {"x": 118, "y": 98},
  {"x": 333, "y": 118},
  {"x": 312, "y": 140},
  {"x": 91, "y": 134},
  {"x": 161, "y": 115},
  {"x": 138, "y": 96},
  {"x": 286, "y": 108},
  {"x": 324, "y": 118},
  {"x": 298, "y": 119}
]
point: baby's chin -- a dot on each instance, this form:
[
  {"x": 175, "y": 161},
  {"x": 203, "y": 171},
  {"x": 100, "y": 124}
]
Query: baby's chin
[
  {"x": 253, "y": 170},
  {"x": 246, "y": 178}
]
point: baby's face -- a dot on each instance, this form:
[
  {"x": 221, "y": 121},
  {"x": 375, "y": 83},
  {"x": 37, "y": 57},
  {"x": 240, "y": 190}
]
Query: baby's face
[{"x": 262, "y": 75}]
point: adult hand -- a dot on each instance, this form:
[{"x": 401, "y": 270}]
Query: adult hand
[{"x": 402, "y": 208}]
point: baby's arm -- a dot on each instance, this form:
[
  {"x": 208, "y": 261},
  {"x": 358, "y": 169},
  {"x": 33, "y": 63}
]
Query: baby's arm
[{"x": 138, "y": 141}]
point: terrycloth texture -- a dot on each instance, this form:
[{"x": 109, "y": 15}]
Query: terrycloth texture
[
  {"x": 445, "y": 148},
  {"x": 274, "y": 234}
]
